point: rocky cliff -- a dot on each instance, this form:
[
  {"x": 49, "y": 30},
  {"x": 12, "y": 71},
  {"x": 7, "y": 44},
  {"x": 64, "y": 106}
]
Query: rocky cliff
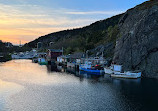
[{"x": 137, "y": 44}]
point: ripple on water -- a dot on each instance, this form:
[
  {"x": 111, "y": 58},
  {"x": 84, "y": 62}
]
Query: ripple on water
[
  {"x": 7, "y": 89},
  {"x": 25, "y": 72}
]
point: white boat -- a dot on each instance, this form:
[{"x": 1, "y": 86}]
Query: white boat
[
  {"x": 128, "y": 74},
  {"x": 108, "y": 70},
  {"x": 24, "y": 55},
  {"x": 20, "y": 56},
  {"x": 112, "y": 69},
  {"x": 116, "y": 71}
]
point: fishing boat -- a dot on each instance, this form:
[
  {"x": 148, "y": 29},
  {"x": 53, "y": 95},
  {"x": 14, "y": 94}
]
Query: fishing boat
[
  {"x": 128, "y": 74},
  {"x": 88, "y": 67},
  {"x": 42, "y": 61},
  {"x": 116, "y": 71},
  {"x": 108, "y": 70}
]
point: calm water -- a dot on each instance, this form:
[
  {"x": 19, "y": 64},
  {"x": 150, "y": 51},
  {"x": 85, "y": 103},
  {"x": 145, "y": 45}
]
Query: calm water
[{"x": 26, "y": 86}]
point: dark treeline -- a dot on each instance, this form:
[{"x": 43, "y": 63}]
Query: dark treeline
[
  {"x": 11, "y": 48},
  {"x": 6, "y": 50}
]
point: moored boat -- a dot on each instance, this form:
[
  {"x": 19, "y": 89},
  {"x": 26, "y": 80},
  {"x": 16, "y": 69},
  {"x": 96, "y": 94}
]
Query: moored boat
[
  {"x": 108, "y": 70},
  {"x": 128, "y": 74},
  {"x": 88, "y": 67},
  {"x": 42, "y": 61},
  {"x": 116, "y": 71}
]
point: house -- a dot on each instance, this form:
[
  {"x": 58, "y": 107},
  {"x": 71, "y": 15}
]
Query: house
[
  {"x": 52, "y": 54},
  {"x": 63, "y": 59},
  {"x": 76, "y": 57},
  {"x": 74, "y": 60},
  {"x": 94, "y": 60}
]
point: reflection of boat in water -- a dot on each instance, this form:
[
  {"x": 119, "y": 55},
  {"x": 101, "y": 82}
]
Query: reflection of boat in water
[
  {"x": 88, "y": 67},
  {"x": 116, "y": 71},
  {"x": 89, "y": 75},
  {"x": 72, "y": 71},
  {"x": 53, "y": 68}
]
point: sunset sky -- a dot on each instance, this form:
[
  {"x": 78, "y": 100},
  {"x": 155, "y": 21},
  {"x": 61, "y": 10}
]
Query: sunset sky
[{"x": 26, "y": 20}]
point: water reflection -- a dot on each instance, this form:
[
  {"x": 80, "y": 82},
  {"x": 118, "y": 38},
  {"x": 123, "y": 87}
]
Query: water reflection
[
  {"x": 134, "y": 90},
  {"x": 53, "y": 68},
  {"x": 117, "y": 82},
  {"x": 68, "y": 70},
  {"x": 47, "y": 88},
  {"x": 7, "y": 89},
  {"x": 25, "y": 72}
]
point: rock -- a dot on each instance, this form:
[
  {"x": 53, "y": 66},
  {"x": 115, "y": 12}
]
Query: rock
[
  {"x": 106, "y": 50},
  {"x": 137, "y": 48}
]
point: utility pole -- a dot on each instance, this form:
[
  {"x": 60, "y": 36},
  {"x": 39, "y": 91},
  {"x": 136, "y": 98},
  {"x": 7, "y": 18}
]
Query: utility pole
[
  {"x": 87, "y": 54},
  {"x": 20, "y": 43}
]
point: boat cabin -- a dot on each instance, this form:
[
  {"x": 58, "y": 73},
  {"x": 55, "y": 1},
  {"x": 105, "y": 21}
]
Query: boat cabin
[
  {"x": 117, "y": 68},
  {"x": 94, "y": 60}
]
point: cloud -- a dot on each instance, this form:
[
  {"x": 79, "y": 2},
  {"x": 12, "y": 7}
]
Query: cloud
[
  {"x": 27, "y": 21},
  {"x": 95, "y": 12}
]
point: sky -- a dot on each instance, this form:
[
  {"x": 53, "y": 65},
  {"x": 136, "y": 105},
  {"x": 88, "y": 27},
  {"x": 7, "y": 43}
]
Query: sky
[{"x": 26, "y": 20}]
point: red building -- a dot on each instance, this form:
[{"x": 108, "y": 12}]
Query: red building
[{"x": 52, "y": 54}]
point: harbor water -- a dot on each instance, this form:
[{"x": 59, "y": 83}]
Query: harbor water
[{"x": 26, "y": 86}]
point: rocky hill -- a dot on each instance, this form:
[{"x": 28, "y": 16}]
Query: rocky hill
[{"x": 137, "y": 44}]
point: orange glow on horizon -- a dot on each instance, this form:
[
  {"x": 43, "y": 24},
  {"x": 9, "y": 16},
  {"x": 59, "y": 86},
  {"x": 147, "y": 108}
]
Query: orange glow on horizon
[
  {"x": 26, "y": 22},
  {"x": 24, "y": 35}
]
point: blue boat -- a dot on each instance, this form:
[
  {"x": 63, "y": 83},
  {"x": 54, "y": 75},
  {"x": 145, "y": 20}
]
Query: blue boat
[{"x": 87, "y": 67}]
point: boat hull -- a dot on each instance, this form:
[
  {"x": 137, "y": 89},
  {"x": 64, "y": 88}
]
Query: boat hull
[
  {"x": 128, "y": 75},
  {"x": 94, "y": 72},
  {"x": 42, "y": 61},
  {"x": 124, "y": 76}
]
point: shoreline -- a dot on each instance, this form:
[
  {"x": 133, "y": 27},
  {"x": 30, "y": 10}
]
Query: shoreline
[{"x": 5, "y": 58}]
